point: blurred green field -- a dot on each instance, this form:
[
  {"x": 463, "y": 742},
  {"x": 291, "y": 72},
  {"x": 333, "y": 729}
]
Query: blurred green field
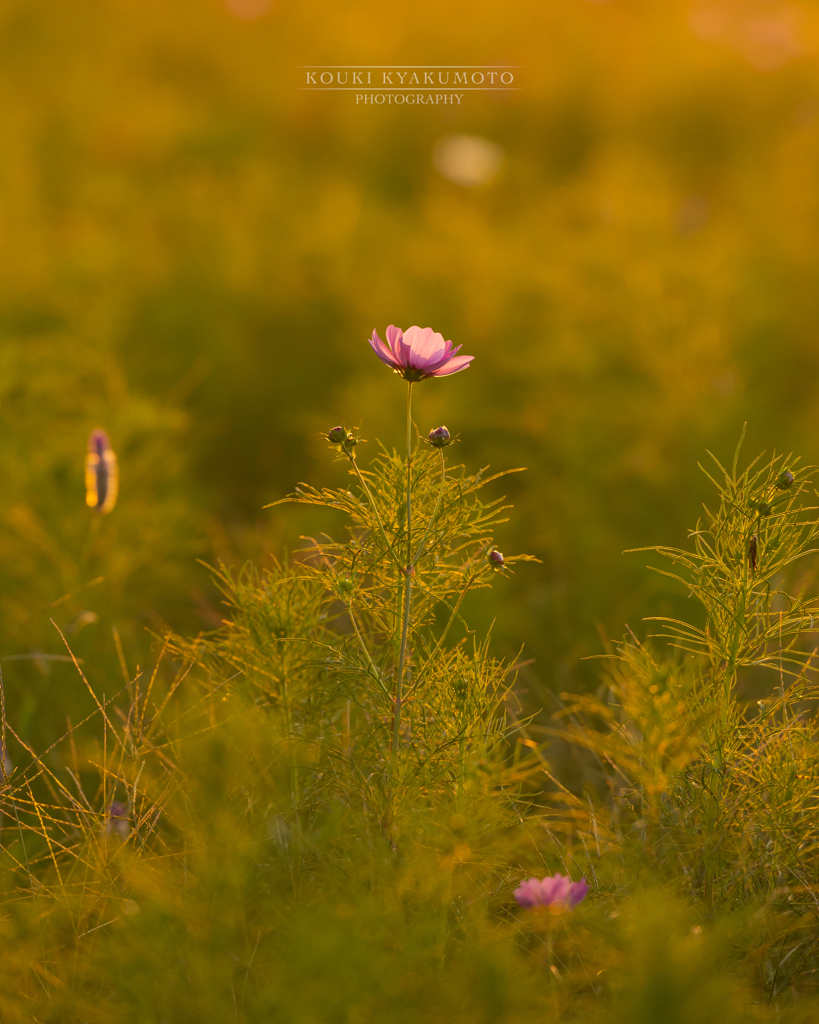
[{"x": 193, "y": 252}]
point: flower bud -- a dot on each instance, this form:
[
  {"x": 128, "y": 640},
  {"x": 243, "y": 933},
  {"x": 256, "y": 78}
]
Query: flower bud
[
  {"x": 439, "y": 437},
  {"x": 495, "y": 558},
  {"x": 784, "y": 480},
  {"x": 337, "y": 435},
  {"x": 101, "y": 473}
]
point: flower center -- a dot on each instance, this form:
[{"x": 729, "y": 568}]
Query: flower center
[{"x": 413, "y": 376}]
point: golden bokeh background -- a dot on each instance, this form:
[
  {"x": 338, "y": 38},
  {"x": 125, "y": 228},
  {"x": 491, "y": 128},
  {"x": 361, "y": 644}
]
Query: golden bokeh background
[{"x": 194, "y": 251}]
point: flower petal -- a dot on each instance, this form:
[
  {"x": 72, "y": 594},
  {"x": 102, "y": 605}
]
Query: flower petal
[
  {"x": 452, "y": 366},
  {"x": 551, "y": 889},
  {"x": 381, "y": 350},
  {"x": 427, "y": 346},
  {"x": 562, "y": 888},
  {"x": 527, "y": 893},
  {"x": 399, "y": 344},
  {"x": 448, "y": 354},
  {"x": 578, "y": 891}
]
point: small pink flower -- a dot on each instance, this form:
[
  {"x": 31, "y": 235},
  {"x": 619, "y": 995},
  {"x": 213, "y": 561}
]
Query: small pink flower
[
  {"x": 557, "y": 893},
  {"x": 419, "y": 353}
]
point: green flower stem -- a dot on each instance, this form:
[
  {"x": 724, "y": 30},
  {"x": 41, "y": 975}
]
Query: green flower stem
[{"x": 396, "y": 732}]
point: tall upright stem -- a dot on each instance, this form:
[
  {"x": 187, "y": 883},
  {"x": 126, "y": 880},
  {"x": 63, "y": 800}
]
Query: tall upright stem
[{"x": 396, "y": 732}]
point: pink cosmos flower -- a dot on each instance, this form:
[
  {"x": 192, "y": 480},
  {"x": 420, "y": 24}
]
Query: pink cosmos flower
[
  {"x": 419, "y": 353},
  {"x": 555, "y": 892}
]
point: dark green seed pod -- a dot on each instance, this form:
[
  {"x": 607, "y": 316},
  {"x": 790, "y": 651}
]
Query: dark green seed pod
[{"x": 784, "y": 480}]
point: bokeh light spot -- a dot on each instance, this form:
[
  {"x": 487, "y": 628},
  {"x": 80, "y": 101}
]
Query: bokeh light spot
[
  {"x": 248, "y": 10},
  {"x": 467, "y": 160}
]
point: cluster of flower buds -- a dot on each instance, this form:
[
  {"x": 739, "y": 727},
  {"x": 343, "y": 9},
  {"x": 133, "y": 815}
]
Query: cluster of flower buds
[
  {"x": 344, "y": 438},
  {"x": 784, "y": 480},
  {"x": 439, "y": 437}
]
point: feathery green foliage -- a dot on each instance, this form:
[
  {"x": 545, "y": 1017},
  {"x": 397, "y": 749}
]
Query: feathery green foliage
[
  {"x": 693, "y": 776},
  {"x": 319, "y": 640},
  {"x": 267, "y": 857}
]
